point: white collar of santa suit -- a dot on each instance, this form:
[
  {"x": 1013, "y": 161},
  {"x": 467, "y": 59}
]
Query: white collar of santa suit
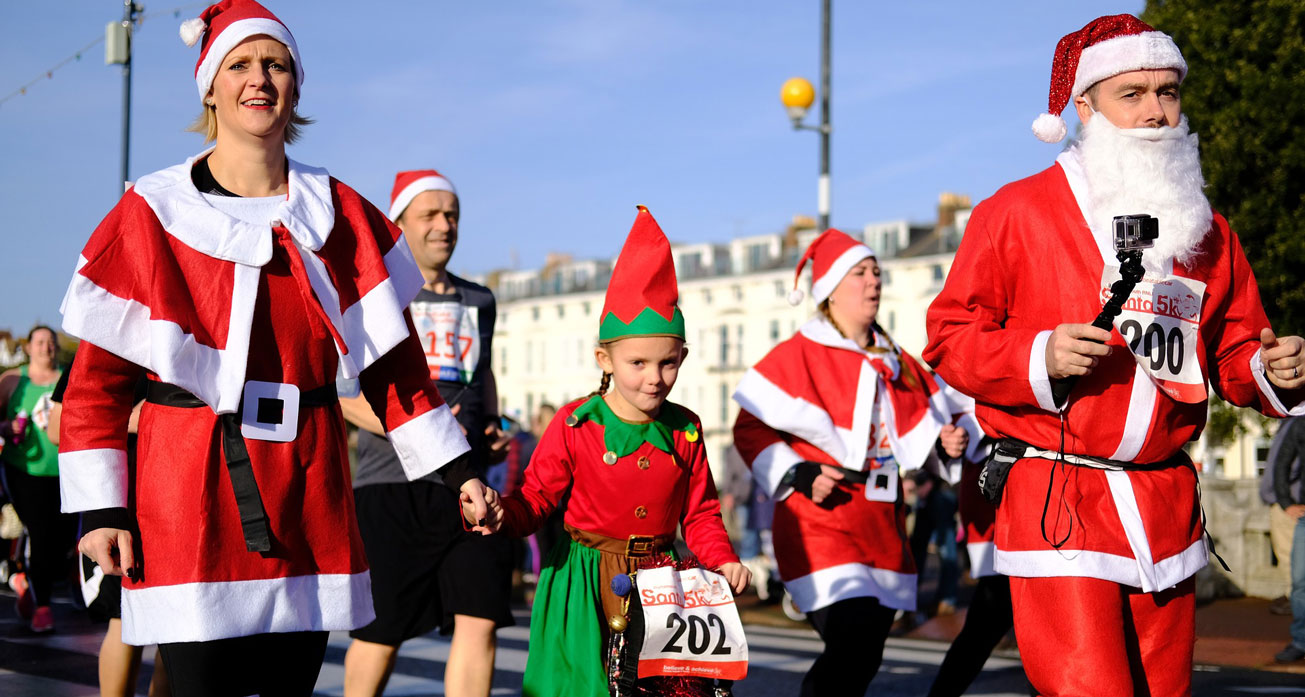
[
  {"x": 307, "y": 212},
  {"x": 786, "y": 391},
  {"x": 821, "y": 331}
]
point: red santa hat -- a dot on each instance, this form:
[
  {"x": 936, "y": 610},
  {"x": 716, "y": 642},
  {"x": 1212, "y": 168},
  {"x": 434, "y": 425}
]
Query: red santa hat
[
  {"x": 642, "y": 296},
  {"x": 223, "y": 25},
  {"x": 408, "y": 184},
  {"x": 1104, "y": 48},
  {"x": 832, "y": 255}
]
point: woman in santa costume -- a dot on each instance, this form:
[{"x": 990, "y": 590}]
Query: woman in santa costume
[
  {"x": 827, "y": 419},
  {"x": 636, "y": 468},
  {"x": 242, "y": 283}
]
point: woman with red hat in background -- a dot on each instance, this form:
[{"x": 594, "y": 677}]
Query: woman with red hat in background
[
  {"x": 242, "y": 283},
  {"x": 827, "y": 419}
]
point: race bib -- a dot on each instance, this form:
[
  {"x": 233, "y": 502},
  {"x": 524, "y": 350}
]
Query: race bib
[
  {"x": 450, "y": 335},
  {"x": 880, "y": 465},
  {"x": 1160, "y": 323},
  {"x": 691, "y": 625}
]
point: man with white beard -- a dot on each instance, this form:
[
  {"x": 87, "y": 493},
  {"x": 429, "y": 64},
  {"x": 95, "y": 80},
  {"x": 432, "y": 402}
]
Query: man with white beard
[{"x": 1100, "y": 525}]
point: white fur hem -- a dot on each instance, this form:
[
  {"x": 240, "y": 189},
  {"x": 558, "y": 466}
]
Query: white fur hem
[
  {"x": 1266, "y": 389},
  {"x": 770, "y": 466},
  {"x": 827, "y": 586},
  {"x": 213, "y": 610},
  {"x": 1044, "y": 563},
  {"x": 1039, "y": 380}
]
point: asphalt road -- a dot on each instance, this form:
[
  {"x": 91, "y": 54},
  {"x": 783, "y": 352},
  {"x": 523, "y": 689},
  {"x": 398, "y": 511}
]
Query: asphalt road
[{"x": 63, "y": 664}]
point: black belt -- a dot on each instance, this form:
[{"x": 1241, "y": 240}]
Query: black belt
[{"x": 253, "y": 517}]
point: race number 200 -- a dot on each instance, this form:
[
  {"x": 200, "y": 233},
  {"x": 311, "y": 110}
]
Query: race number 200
[{"x": 691, "y": 625}]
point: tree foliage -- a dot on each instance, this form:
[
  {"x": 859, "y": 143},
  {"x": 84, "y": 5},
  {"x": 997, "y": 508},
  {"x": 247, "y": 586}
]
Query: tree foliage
[{"x": 1245, "y": 97}]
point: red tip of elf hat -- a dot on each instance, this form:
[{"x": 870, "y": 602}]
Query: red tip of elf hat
[
  {"x": 1104, "y": 48},
  {"x": 223, "y": 25},
  {"x": 408, "y": 184},
  {"x": 642, "y": 295},
  {"x": 832, "y": 255}
]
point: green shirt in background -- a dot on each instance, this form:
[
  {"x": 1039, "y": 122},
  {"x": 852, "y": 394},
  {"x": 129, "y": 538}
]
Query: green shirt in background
[{"x": 35, "y": 455}]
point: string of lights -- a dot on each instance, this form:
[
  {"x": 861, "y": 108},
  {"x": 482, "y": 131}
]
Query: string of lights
[{"x": 48, "y": 73}]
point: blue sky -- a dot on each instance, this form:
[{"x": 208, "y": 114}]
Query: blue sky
[{"x": 554, "y": 118}]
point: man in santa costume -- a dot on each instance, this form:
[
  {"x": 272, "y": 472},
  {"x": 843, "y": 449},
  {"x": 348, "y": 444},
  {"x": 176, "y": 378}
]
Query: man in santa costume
[
  {"x": 826, "y": 421},
  {"x": 1100, "y": 523}
]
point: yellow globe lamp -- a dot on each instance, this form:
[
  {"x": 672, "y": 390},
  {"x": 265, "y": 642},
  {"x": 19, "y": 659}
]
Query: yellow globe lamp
[{"x": 797, "y": 94}]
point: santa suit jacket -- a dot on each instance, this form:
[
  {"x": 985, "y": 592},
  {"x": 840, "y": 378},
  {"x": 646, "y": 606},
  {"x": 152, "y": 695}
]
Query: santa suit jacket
[
  {"x": 648, "y": 492},
  {"x": 170, "y": 285},
  {"x": 812, "y": 399},
  {"x": 1029, "y": 261}
]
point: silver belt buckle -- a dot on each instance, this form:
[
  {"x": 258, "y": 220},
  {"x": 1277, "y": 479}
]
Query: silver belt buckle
[{"x": 270, "y": 411}]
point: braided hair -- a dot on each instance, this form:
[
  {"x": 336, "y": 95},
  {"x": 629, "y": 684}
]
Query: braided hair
[{"x": 605, "y": 383}]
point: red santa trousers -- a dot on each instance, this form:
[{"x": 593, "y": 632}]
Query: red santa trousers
[{"x": 1085, "y": 637}]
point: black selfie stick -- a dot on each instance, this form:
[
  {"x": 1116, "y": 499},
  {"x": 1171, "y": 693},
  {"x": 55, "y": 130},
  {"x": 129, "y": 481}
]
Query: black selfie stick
[{"x": 1130, "y": 272}]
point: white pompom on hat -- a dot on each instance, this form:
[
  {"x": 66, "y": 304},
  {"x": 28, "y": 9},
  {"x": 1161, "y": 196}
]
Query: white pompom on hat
[
  {"x": 832, "y": 255},
  {"x": 408, "y": 184},
  {"x": 221, "y": 26},
  {"x": 1104, "y": 48}
]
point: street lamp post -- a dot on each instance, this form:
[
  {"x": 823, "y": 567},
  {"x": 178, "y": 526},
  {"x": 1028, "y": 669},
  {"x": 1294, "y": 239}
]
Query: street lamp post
[
  {"x": 797, "y": 94},
  {"x": 117, "y": 51}
]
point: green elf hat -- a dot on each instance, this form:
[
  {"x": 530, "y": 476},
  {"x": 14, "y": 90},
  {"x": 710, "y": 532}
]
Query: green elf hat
[{"x": 642, "y": 296}]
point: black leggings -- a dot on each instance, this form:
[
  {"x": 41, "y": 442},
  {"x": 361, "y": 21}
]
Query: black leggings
[
  {"x": 854, "y": 632},
  {"x": 52, "y": 534},
  {"x": 270, "y": 665},
  {"x": 986, "y": 622}
]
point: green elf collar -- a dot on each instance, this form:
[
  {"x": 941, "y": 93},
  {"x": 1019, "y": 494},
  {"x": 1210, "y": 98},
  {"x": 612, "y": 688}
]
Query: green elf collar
[{"x": 623, "y": 437}]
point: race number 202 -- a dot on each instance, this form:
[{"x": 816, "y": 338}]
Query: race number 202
[{"x": 691, "y": 625}]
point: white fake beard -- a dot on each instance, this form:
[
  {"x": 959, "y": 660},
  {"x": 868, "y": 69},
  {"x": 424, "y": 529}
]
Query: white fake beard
[{"x": 1156, "y": 171}]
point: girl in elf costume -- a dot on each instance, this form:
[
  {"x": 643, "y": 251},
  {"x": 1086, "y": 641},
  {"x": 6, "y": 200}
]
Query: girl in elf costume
[{"x": 636, "y": 467}]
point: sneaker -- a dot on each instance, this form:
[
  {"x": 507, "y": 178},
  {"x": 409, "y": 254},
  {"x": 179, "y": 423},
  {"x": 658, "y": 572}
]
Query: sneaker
[
  {"x": 25, "y": 603},
  {"x": 1291, "y": 654},
  {"x": 946, "y": 608},
  {"x": 43, "y": 620},
  {"x": 1280, "y": 605}
]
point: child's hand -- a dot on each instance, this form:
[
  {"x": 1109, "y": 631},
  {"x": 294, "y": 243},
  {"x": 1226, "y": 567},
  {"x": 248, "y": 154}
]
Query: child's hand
[
  {"x": 481, "y": 507},
  {"x": 737, "y": 574}
]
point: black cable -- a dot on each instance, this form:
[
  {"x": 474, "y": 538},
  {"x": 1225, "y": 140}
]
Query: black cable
[{"x": 1130, "y": 272}]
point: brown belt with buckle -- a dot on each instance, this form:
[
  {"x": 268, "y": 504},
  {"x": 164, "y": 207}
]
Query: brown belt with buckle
[{"x": 617, "y": 557}]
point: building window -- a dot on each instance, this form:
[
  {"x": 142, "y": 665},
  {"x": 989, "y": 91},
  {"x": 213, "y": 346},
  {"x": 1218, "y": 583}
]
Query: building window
[
  {"x": 738, "y": 292},
  {"x": 561, "y": 311},
  {"x": 892, "y": 321},
  {"x": 937, "y": 272},
  {"x": 724, "y": 404},
  {"x": 885, "y": 276},
  {"x": 706, "y": 295},
  {"x": 757, "y": 256},
  {"x": 534, "y": 313},
  {"x": 587, "y": 308},
  {"x": 738, "y": 345},
  {"x": 530, "y": 356},
  {"x": 501, "y": 369},
  {"x": 724, "y": 345},
  {"x": 780, "y": 290},
  {"x": 691, "y": 265},
  {"x": 774, "y": 331}
]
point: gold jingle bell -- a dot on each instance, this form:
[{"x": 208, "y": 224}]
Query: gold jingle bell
[
  {"x": 609, "y": 457},
  {"x": 617, "y": 623}
]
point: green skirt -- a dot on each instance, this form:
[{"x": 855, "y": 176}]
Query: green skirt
[{"x": 566, "y": 639}]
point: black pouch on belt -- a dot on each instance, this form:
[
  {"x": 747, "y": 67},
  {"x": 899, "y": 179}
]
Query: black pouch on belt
[{"x": 992, "y": 480}]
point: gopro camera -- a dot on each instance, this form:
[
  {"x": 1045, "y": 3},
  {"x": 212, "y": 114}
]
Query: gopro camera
[{"x": 1134, "y": 232}]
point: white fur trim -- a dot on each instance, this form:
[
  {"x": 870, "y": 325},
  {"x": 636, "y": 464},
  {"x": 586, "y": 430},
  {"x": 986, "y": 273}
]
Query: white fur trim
[
  {"x": 1266, "y": 389},
  {"x": 1043, "y": 563},
  {"x": 1039, "y": 380},
  {"x": 1152, "y": 50},
  {"x": 410, "y": 192},
  {"x": 92, "y": 479},
  {"x": 770, "y": 466},
  {"x": 213, "y": 610},
  {"x": 192, "y": 30},
  {"x": 374, "y": 325},
  {"x": 308, "y": 212},
  {"x": 783, "y": 412},
  {"x": 428, "y": 442},
  {"x": 827, "y": 586},
  {"x": 1141, "y": 412},
  {"x": 235, "y": 33},
  {"x": 796, "y": 296},
  {"x": 822, "y": 287},
  {"x": 982, "y": 557},
  {"x": 1130, "y": 517},
  {"x": 1049, "y": 128},
  {"x": 124, "y": 327}
]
